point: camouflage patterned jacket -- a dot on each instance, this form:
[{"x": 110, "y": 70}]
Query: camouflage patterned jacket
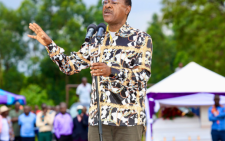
[{"x": 129, "y": 54}]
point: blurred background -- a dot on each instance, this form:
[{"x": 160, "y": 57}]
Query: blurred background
[{"x": 182, "y": 31}]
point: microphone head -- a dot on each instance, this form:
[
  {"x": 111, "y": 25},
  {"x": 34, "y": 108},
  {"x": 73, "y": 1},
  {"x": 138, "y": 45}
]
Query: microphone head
[
  {"x": 102, "y": 25},
  {"x": 92, "y": 26}
]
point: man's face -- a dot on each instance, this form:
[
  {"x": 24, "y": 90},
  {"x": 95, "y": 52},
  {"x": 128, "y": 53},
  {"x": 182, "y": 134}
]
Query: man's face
[
  {"x": 79, "y": 111},
  {"x": 84, "y": 80},
  {"x": 180, "y": 65},
  {"x": 36, "y": 107},
  {"x": 63, "y": 109},
  {"x": 115, "y": 11},
  {"x": 84, "y": 110},
  {"x": 57, "y": 108},
  {"x": 43, "y": 106},
  {"x": 26, "y": 110},
  {"x": 5, "y": 114},
  {"x": 17, "y": 105},
  {"x": 217, "y": 101}
]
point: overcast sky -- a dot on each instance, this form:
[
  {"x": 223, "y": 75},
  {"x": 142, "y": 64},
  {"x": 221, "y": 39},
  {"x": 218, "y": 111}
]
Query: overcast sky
[{"x": 141, "y": 13}]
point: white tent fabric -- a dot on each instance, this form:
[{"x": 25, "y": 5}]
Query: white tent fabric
[
  {"x": 191, "y": 78},
  {"x": 200, "y": 99},
  {"x": 149, "y": 121}
]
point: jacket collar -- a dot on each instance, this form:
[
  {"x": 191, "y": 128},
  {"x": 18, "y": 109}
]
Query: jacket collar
[
  {"x": 123, "y": 31},
  {"x": 125, "y": 28}
]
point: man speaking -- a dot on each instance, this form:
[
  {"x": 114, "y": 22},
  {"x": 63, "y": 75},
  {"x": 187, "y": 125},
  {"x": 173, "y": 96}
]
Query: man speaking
[{"x": 124, "y": 69}]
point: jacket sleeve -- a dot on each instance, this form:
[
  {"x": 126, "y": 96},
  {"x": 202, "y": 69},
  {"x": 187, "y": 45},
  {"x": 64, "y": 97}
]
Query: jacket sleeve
[
  {"x": 85, "y": 120},
  {"x": 222, "y": 114},
  {"x": 19, "y": 120},
  {"x": 74, "y": 126},
  {"x": 211, "y": 116},
  {"x": 69, "y": 64},
  {"x": 50, "y": 118},
  {"x": 140, "y": 72},
  {"x": 39, "y": 122}
]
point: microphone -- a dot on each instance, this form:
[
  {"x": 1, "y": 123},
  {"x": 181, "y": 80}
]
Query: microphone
[
  {"x": 101, "y": 30},
  {"x": 91, "y": 30}
]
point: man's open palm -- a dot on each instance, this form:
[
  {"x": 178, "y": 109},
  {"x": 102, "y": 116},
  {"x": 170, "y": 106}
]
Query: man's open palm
[{"x": 41, "y": 36}]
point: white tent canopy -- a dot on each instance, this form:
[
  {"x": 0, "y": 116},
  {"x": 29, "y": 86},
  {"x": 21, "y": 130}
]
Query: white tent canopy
[
  {"x": 200, "y": 99},
  {"x": 191, "y": 78}
]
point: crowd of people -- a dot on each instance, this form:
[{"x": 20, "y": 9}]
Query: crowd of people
[{"x": 47, "y": 124}]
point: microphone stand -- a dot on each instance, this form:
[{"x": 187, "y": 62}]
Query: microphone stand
[{"x": 97, "y": 94}]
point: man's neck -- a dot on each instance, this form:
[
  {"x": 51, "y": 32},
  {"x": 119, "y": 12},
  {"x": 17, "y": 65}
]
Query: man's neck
[
  {"x": 116, "y": 27},
  {"x": 217, "y": 105}
]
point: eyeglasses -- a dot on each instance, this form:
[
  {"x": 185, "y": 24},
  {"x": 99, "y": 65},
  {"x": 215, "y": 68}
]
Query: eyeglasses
[{"x": 114, "y": 2}]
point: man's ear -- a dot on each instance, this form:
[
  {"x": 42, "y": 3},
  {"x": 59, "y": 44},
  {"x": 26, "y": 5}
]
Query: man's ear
[{"x": 128, "y": 9}]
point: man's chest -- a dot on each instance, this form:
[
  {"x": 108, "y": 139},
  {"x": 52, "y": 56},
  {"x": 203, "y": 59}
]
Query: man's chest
[
  {"x": 15, "y": 114},
  {"x": 64, "y": 120},
  {"x": 118, "y": 56},
  {"x": 85, "y": 89},
  {"x": 27, "y": 120},
  {"x": 221, "y": 110}
]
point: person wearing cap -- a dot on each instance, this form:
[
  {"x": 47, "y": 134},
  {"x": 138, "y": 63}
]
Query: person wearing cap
[
  {"x": 14, "y": 114},
  {"x": 80, "y": 125},
  {"x": 6, "y": 133}
]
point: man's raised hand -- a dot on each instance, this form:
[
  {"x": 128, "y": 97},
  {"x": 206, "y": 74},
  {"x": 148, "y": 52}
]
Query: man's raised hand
[{"x": 41, "y": 36}]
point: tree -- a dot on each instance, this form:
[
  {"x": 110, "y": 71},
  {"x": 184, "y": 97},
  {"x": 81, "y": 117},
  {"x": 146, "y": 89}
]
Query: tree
[
  {"x": 35, "y": 95},
  {"x": 65, "y": 22},
  {"x": 163, "y": 51},
  {"x": 13, "y": 80},
  {"x": 198, "y": 30},
  {"x": 12, "y": 48}
]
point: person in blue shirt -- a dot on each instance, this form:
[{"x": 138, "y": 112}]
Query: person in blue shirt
[
  {"x": 80, "y": 125},
  {"x": 217, "y": 116},
  {"x": 27, "y": 125}
]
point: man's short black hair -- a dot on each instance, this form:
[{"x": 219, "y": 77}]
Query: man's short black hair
[{"x": 129, "y": 3}]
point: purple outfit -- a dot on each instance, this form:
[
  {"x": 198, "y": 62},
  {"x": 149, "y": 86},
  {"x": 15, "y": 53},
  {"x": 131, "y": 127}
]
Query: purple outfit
[{"x": 63, "y": 125}]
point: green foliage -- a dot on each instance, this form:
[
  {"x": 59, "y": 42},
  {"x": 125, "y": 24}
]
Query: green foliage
[
  {"x": 198, "y": 27},
  {"x": 35, "y": 95},
  {"x": 65, "y": 22},
  {"x": 163, "y": 51},
  {"x": 13, "y": 80}
]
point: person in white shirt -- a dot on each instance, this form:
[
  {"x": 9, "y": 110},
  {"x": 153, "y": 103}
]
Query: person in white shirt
[
  {"x": 6, "y": 132},
  {"x": 179, "y": 67},
  {"x": 84, "y": 91}
]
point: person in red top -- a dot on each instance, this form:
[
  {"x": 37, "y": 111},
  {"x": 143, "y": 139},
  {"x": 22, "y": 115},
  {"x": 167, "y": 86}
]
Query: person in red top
[{"x": 36, "y": 110}]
